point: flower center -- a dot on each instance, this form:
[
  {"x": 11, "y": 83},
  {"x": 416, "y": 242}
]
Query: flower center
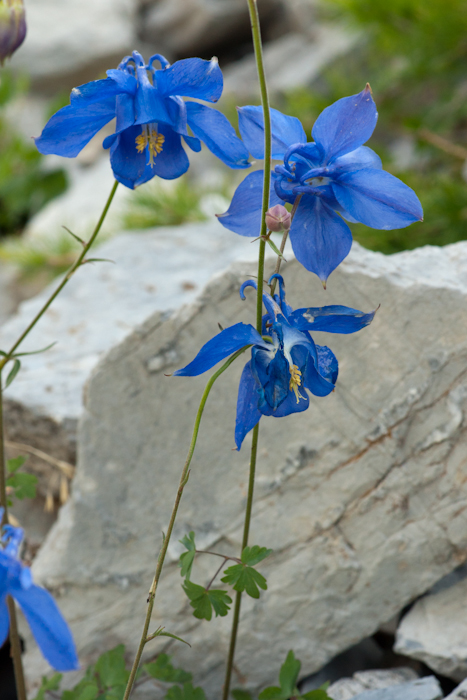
[
  {"x": 295, "y": 381},
  {"x": 151, "y": 139},
  {"x": 319, "y": 181}
]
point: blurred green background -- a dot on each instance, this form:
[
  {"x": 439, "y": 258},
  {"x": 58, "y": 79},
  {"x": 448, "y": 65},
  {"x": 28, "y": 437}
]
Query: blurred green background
[{"x": 413, "y": 53}]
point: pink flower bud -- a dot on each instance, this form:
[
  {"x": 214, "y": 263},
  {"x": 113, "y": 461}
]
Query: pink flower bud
[
  {"x": 278, "y": 219},
  {"x": 12, "y": 27}
]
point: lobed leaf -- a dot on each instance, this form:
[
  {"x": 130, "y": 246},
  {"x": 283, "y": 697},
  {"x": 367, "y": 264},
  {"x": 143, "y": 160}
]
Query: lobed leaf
[
  {"x": 111, "y": 667},
  {"x": 187, "y": 692},
  {"x": 13, "y": 464},
  {"x": 23, "y": 484},
  {"x": 203, "y": 601},
  {"x": 288, "y": 674},
  {"x": 245, "y": 578},
  {"x": 239, "y": 694},
  {"x": 48, "y": 683},
  {"x": 187, "y": 558},
  {"x": 253, "y": 555}
]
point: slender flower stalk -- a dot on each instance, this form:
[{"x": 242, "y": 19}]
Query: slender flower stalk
[
  {"x": 160, "y": 561},
  {"x": 256, "y": 32},
  {"x": 283, "y": 242}
]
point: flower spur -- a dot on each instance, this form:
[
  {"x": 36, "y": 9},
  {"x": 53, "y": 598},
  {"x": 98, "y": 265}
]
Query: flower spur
[{"x": 285, "y": 360}]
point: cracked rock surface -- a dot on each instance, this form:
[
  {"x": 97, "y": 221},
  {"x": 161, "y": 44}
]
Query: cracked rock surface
[{"x": 363, "y": 497}]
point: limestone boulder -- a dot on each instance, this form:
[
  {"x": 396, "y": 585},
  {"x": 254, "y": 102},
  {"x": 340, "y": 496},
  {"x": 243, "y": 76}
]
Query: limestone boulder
[
  {"x": 348, "y": 688},
  {"x": 362, "y": 497}
]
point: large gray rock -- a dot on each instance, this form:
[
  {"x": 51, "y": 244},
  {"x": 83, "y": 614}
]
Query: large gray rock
[
  {"x": 435, "y": 629},
  {"x": 75, "y": 37},
  {"x": 291, "y": 61},
  {"x": 362, "y": 496},
  {"x": 459, "y": 692}
]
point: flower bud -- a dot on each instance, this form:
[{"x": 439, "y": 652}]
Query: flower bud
[
  {"x": 278, "y": 219},
  {"x": 12, "y": 27}
]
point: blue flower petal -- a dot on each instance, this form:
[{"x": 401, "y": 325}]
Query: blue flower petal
[
  {"x": 332, "y": 319},
  {"x": 285, "y": 131},
  {"x": 132, "y": 168},
  {"x": 311, "y": 152},
  {"x": 345, "y": 125},
  {"x": 377, "y": 199},
  {"x": 49, "y": 628},
  {"x": 218, "y": 134},
  {"x": 150, "y": 105},
  {"x": 72, "y": 127},
  {"x": 95, "y": 91},
  {"x": 244, "y": 214},
  {"x": 218, "y": 348},
  {"x": 289, "y": 405},
  {"x": 176, "y": 108},
  {"x": 248, "y": 413},
  {"x": 193, "y": 143},
  {"x": 272, "y": 372},
  {"x": 125, "y": 112},
  {"x": 4, "y": 620},
  {"x": 125, "y": 81},
  {"x": 318, "y": 380},
  {"x": 362, "y": 158},
  {"x": 191, "y": 77},
  {"x": 327, "y": 363},
  {"x": 320, "y": 238}
]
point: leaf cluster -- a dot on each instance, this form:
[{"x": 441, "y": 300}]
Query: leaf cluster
[
  {"x": 287, "y": 688},
  {"x": 21, "y": 484},
  {"x": 243, "y": 577}
]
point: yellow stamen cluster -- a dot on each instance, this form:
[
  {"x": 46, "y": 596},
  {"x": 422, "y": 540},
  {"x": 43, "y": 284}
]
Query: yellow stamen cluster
[
  {"x": 152, "y": 140},
  {"x": 295, "y": 381}
]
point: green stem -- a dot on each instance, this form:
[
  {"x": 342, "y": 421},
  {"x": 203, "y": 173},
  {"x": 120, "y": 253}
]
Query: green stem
[
  {"x": 283, "y": 242},
  {"x": 256, "y": 32},
  {"x": 15, "y": 643},
  {"x": 65, "y": 280},
  {"x": 183, "y": 481}
]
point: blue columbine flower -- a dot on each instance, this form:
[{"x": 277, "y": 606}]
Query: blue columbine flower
[
  {"x": 335, "y": 175},
  {"x": 151, "y": 118},
  {"x": 50, "y": 630},
  {"x": 284, "y": 360}
]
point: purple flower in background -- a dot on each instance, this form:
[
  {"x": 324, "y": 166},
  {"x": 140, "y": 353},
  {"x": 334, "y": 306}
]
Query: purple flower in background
[
  {"x": 50, "y": 630},
  {"x": 337, "y": 177},
  {"x": 12, "y": 27},
  {"x": 285, "y": 361},
  {"x": 151, "y": 118}
]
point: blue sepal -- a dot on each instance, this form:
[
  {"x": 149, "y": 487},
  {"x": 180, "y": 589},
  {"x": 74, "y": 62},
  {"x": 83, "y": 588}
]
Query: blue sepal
[
  {"x": 285, "y": 131},
  {"x": 248, "y": 413},
  {"x": 191, "y": 77},
  {"x": 215, "y": 130},
  {"x": 244, "y": 214},
  {"x": 221, "y": 346},
  {"x": 331, "y": 319}
]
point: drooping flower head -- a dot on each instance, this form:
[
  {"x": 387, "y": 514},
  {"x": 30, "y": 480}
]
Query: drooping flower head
[
  {"x": 12, "y": 27},
  {"x": 50, "y": 630},
  {"x": 336, "y": 176},
  {"x": 151, "y": 118},
  {"x": 285, "y": 360}
]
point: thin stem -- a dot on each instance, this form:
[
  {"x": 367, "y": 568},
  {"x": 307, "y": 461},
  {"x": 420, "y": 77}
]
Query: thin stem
[
  {"x": 283, "y": 242},
  {"x": 183, "y": 481},
  {"x": 66, "y": 279},
  {"x": 256, "y": 32},
  {"x": 215, "y": 575},
  {"x": 217, "y": 554},
  {"x": 15, "y": 643}
]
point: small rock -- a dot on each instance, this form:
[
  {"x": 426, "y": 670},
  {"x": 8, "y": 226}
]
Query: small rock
[
  {"x": 435, "y": 629},
  {"x": 427, "y": 688},
  {"x": 347, "y": 688}
]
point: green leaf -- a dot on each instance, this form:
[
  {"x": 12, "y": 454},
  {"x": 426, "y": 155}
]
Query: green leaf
[
  {"x": 13, "y": 372},
  {"x": 187, "y": 558},
  {"x": 203, "y": 601},
  {"x": 85, "y": 690},
  {"x": 253, "y": 555},
  {"x": 36, "y": 352},
  {"x": 188, "y": 692},
  {"x": 48, "y": 683},
  {"x": 272, "y": 693},
  {"x": 173, "y": 636},
  {"x": 245, "y": 578},
  {"x": 318, "y": 694},
  {"x": 23, "y": 484},
  {"x": 163, "y": 670},
  {"x": 241, "y": 695},
  {"x": 275, "y": 248},
  {"x": 111, "y": 667},
  {"x": 13, "y": 464},
  {"x": 288, "y": 675}
]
